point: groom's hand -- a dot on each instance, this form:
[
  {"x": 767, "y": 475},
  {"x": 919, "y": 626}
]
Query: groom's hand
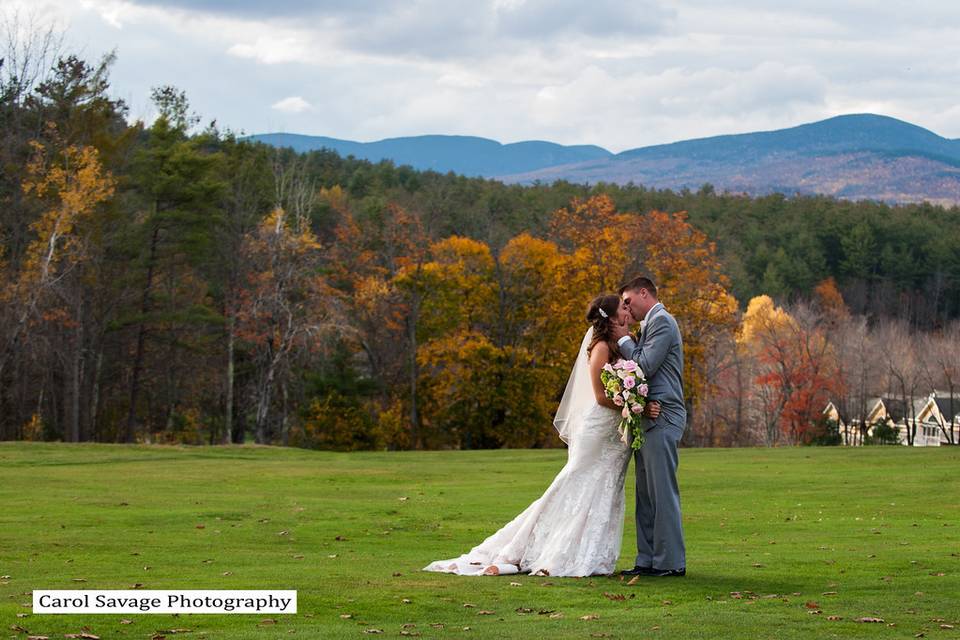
[{"x": 620, "y": 330}]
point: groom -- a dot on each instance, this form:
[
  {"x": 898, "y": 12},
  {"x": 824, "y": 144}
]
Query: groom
[{"x": 659, "y": 352}]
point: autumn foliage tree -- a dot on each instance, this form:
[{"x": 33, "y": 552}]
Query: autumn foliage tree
[
  {"x": 796, "y": 370},
  {"x": 70, "y": 184},
  {"x": 284, "y": 308},
  {"x": 692, "y": 285}
]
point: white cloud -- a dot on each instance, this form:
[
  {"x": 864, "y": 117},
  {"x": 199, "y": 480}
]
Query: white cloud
[
  {"x": 293, "y": 104},
  {"x": 613, "y": 73}
]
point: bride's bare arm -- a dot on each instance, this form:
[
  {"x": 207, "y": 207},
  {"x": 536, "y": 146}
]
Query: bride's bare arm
[{"x": 599, "y": 356}]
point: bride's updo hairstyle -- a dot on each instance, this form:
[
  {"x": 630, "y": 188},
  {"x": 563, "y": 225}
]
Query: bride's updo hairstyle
[{"x": 602, "y": 313}]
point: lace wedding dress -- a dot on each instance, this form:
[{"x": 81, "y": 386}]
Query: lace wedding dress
[{"x": 575, "y": 527}]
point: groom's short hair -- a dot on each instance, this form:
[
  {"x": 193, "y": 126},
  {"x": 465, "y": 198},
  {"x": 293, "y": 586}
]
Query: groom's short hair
[{"x": 640, "y": 282}]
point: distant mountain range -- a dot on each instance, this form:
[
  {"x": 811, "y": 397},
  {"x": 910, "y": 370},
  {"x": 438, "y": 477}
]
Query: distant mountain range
[
  {"x": 861, "y": 156},
  {"x": 467, "y": 155}
]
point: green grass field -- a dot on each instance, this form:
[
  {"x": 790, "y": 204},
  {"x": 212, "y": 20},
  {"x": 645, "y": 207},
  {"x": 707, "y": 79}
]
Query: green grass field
[{"x": 782, "y": 543}]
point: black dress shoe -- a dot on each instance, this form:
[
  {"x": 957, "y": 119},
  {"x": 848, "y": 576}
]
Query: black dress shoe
[
  {"x": 668, "y": 573},
  {"x": 637, "y": 571}
]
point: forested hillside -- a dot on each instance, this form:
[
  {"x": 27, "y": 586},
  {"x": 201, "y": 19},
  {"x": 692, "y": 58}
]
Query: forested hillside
[{"x": 169, "y": 282}]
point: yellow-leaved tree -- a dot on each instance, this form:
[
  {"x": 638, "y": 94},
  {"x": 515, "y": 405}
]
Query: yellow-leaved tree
[{"x": 69, "y": 183}]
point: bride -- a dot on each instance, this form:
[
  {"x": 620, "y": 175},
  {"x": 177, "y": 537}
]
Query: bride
[{"x": 575, "y": 527}]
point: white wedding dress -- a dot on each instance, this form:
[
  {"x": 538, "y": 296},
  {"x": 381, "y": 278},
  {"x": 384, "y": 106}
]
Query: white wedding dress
[{"x": 575, "y": 527}]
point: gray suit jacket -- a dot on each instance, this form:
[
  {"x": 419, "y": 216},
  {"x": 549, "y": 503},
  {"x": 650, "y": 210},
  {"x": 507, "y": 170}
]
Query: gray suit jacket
[{"x": 659, "y": 353}]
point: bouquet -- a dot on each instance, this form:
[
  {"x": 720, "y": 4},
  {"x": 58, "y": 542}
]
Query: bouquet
[{"x": 626, "y": 386}]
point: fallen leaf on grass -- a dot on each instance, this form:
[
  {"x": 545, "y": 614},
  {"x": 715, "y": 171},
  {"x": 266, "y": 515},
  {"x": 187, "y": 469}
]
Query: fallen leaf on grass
[
  {"x": 158, "y": 636},
  {"x": 18, "y": 628},
  {"x": 834, "y": 618},
  {"x": 201, "y": 526},
  {"x": 23, "y": 615},
  {"x": 410, "y": 633},
  {"x": 877, "y": 620},
  {"x": 397, "y": 574},
  {"x": 815, "y": 612},
  {"x": 406, "y": 601},
  {"x": 298, "y": 556},
  {"x": 346, "y": 616},
  {"x": 946, "y": 626},
  {"x": 227, "y": 573},
  {"x": 467, "y": 605},
  {"x": 79, "y": 579},
  {"x": 614, "y": 596},
  {"x": 173, "y": 631},
  {"x": 332, "y": 556},
  {"x": 403, "y": 499},
  {"x": 812, "y": 605},
  {"x": 438, "y": 625},
  {"x": 634, "y": 580},
  {"x": 125, "y": 621},
  {"x": 136, "y": 585},
  {"x": 544, "y": 612},
  {"x": 284, "y": 533},
  {"x": 591, "y": 616},
  {"x": 522, "y": 610},
  {"x": 486, "y": 612},
  {"x": 38, "y": 637},
  {"x": 267, "y": 621},
  {"x": 938, "y": 574},
  {"x": 82, "y": 636},
  {"x": 373, "y": 630},
  {"x": 556, "y": 615},
  {"x": 515, "y": 584}
]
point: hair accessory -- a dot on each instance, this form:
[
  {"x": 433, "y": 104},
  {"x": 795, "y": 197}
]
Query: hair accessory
[{"x": 602, "y": 312}]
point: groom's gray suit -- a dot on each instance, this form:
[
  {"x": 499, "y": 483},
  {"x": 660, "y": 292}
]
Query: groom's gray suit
[{"x": 659, "y": 353}]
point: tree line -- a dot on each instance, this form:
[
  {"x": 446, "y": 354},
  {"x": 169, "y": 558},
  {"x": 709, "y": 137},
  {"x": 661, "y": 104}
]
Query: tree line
[{"x": 172, "y": 282}]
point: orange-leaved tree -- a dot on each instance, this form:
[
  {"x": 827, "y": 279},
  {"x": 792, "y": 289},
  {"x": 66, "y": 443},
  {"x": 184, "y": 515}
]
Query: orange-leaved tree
[
  {"x": 284, "y": 304},
  {"x": 692, "y": 285},
  {"x": 796, "y": 369}
]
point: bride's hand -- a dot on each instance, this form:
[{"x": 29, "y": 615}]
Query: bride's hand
[{"x": 652, "y": 409}]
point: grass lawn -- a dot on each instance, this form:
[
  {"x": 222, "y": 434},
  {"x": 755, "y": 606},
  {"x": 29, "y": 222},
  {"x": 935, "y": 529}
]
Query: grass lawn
[{"x": 781, "y": 543}]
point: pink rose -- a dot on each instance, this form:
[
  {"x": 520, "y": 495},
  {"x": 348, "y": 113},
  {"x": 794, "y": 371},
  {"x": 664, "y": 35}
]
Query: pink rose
[
  {"x": 608, "y": 368},
  {"x": 617, "y": 400},
  {"x": 644, "y": 390},
  {"x": 636, "y": 408},
  {"x": 629, "y": 382},
  {"x": 629, "y": 365}
]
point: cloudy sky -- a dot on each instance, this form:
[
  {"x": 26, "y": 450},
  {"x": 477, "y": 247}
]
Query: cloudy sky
[{"x": 618, "y": 73}]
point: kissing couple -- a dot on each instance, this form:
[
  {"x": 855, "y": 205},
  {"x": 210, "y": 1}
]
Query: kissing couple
[{"x": 576, "y": 527}]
